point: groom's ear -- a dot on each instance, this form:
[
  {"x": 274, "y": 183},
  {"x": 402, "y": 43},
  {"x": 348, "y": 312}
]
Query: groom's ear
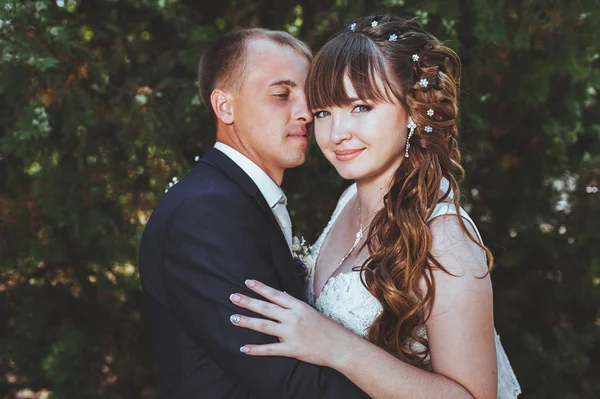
[{"x": 222, "y": 104}]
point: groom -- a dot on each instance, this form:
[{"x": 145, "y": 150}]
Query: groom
[{"x": 226, "y": 221}]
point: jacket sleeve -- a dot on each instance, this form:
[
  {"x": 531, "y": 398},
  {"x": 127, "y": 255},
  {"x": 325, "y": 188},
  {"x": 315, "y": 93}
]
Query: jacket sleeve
[{"x": 213, "y": 244}]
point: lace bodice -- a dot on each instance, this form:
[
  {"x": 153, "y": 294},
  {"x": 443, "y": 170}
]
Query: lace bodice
[{"x": 345, "y": 299}]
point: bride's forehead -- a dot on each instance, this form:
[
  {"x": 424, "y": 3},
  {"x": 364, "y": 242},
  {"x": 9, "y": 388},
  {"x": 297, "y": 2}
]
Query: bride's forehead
[{"x": 328, "y": 89}]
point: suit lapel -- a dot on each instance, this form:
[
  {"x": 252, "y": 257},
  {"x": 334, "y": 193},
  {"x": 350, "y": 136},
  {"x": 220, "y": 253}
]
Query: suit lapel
[
  {"x": 221, "y": 161},
  {"x": 281, "y": 253}
]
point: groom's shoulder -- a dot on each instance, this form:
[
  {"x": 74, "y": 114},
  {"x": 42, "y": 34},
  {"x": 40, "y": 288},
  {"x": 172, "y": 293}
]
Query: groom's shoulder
[{"x": 203, "y": 189}]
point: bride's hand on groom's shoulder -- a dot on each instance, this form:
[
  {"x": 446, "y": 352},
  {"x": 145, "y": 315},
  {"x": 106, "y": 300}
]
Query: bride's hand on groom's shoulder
[{"x": 303, "y": 332}]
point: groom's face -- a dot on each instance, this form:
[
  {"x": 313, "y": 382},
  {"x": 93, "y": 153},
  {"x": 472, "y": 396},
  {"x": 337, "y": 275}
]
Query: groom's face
[{"x": 271, "y": 114}]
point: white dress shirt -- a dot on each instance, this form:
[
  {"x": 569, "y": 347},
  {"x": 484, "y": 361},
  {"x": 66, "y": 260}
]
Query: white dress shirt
[{"x": 272, "y": 193}]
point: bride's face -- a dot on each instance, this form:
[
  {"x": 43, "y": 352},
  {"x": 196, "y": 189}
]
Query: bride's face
[{"x": 363, "y": 140}]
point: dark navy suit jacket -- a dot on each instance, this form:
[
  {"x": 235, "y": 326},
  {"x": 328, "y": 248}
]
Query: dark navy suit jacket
[{"x": 211, "y": 232}]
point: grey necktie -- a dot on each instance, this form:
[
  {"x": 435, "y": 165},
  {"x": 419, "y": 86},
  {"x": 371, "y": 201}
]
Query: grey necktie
[{"x": 283, "y": 218}]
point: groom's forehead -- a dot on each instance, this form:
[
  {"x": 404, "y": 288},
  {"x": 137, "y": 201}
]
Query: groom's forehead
[
  {"x": 269, "y": 60},
  {"x": 265, "y": 50}
]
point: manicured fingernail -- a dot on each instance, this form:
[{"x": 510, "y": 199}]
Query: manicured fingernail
[
  {"x": 235, "y": 319},
  {"x": 235, "y": 298},
  {"x": 244, "y": 349},
  {"x": 250, "y": 283}
]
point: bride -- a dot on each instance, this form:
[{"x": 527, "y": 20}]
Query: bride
[{"x": 400, "y": 265}]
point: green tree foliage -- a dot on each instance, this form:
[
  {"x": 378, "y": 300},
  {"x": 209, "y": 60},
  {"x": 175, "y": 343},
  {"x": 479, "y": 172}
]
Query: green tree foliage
[{"x": 100, "y": 111}]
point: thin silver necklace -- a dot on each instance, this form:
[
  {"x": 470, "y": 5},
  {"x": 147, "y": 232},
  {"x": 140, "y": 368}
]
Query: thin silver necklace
[{"x": 359, "y": 236}]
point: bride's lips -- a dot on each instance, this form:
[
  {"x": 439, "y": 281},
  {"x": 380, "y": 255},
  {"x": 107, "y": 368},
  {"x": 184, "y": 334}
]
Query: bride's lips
[{"x": 347, "y": 155}]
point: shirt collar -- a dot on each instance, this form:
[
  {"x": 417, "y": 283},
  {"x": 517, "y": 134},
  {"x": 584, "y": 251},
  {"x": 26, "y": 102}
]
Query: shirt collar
[{"x": 268, "y": 188}]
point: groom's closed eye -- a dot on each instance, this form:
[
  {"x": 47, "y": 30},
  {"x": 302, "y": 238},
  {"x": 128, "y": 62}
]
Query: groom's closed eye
[{"x": 283, "y": 92}]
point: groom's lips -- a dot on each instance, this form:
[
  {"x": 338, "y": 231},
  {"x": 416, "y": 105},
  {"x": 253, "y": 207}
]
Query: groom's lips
[
  {"x": 347, "y": 155},
  {"x": 299, "y": 135}
]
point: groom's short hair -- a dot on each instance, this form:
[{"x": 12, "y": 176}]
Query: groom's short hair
[{"x": 224, "y": 63}]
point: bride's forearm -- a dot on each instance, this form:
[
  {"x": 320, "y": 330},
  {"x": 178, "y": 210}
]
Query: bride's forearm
[{"x": 383, "y": 376}]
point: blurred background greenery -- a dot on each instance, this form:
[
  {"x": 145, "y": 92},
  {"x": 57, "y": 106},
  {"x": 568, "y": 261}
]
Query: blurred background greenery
[{"x": 99, "y": 112}]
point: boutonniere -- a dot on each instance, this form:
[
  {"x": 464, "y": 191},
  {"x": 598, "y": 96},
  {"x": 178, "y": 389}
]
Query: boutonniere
[{"x": 302, "y": 255}]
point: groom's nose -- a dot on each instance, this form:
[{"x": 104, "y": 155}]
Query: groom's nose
[{"x": 301, "y": 111}]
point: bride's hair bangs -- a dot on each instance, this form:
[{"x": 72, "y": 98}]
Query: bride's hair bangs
[{"x": 356, "y": 57}]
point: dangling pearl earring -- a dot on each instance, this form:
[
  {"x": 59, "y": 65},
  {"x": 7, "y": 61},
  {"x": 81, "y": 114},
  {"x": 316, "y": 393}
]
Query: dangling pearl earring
[{"x": 412, "y": 126}]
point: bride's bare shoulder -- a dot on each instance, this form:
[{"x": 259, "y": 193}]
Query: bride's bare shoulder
[{"x": 454, "y": 247}]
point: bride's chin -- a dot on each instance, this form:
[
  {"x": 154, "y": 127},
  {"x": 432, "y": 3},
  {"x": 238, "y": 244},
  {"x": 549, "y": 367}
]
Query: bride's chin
[{"x": 349, "y": 174}]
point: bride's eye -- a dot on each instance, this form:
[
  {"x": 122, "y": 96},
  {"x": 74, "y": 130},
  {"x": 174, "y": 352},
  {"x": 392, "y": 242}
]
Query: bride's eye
[
  {"x": 359, "y": 109},
  {"x": 321, "y": 114}
]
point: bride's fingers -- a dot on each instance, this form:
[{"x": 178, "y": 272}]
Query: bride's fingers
[
  {"x": 279, "y": 297},
  {"x": 263, "y": 326},
  {"x": 263, "y": 308},
  {"x": 264, "y": 350}
]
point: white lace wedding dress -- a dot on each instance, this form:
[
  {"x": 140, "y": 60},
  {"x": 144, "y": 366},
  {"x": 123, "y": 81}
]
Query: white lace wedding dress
[{"x": 345, "y": 299}]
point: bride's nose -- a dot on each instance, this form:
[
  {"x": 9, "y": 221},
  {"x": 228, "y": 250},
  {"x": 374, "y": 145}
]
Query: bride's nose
[{"x": 339, "y": 131}]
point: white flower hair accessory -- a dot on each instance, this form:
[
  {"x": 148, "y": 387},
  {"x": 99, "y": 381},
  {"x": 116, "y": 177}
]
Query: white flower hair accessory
[
  {"x": 415, "y": 57},
  {"x": 353, "y": 26},
  {"x": 393, "y": 37},
  {"x": 374, "y": 24},
  {"x": 423, "y": 82},
  {"x": 428, "y": 129},
  {"x": 429, "y": 112}
]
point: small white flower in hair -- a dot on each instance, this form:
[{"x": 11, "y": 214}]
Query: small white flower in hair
[
  {"x": 423, "y": 82},
  {"x": 353, "y": 26},
  {"x": 374, "y": 24},
  {"x": 430, "y": 112},
  {"x": 415, "y": 57},
  {"x": 428, "y": 129},
  {"x": 393, "y": 37}
]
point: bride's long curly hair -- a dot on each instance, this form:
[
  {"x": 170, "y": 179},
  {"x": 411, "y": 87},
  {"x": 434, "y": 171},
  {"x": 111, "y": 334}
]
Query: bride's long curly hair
[{"x": 399, "y": 270}]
